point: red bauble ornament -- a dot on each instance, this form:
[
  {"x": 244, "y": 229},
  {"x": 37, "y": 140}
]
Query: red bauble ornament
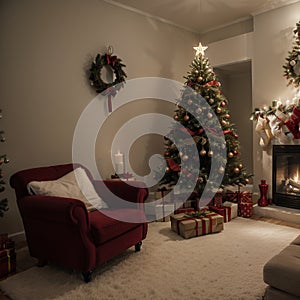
[
  {"x": 235, "y": 152},
  {"x": 223, "y": 103},
  {"x": 186, "y": 118},
  {"x": 167, "y": 153}
]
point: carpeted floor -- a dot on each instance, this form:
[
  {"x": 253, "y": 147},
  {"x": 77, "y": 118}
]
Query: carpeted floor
[{"x": 222, "y": 266}]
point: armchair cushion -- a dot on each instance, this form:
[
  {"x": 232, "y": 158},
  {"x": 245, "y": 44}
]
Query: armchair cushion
[
  {"x": 75, "y": 184},
  {"x": 104, "y": 228}
]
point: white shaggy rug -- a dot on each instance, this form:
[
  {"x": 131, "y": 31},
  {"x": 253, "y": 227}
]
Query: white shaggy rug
[{"x": 226, "y": 265}]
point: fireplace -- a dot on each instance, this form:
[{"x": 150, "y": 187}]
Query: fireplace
[{"x": 286, "y": 176}]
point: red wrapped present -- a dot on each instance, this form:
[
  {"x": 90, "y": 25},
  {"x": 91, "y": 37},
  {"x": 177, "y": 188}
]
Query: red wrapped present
[
  {"x": 7, "y": 262},
  {"x": 245, "y": 209},
  {"x": 237, "y": 197},
  {"x": 224, "y": 211},
  {"x": 244, "y": 197},
  {"x": 196, "y": 224},
  {"x": 3, "y": 240},
  {"x": 244, "y": 201},
  {"x": 231, "y": 196},
  {"x": 245, "y": 205},
  {"x": 218, "y": 199}
]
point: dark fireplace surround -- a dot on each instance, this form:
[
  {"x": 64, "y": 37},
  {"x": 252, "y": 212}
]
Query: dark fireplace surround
[{"x": 286, "y": 176}]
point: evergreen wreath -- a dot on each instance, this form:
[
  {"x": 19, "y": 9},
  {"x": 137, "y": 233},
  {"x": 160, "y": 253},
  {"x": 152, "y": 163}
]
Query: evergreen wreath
[
  {"x": 292, "y": 66},
  {"x": 95, "y": 73}
]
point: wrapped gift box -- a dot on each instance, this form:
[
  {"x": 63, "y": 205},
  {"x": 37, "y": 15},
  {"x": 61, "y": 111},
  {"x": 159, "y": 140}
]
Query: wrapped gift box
[
  {"x": 7, "y": 262},
  {"x": 3, "y": 240},
  {"x": 162, "y": 192},
  {"x": 163, "y": 212},
  {"x": 234, "y": 208},
  {"x": 189, "y": 203},
  {"x": 244, "y": 201},
  {"x": 245, "y": 209},
  {"x": 245, "y": 205},
  {"x": 224, "y": 211},
  {"x": 217, "y": 200},
  {"x": 238, "y": 197},
  {"x": 190, "y": 225}
]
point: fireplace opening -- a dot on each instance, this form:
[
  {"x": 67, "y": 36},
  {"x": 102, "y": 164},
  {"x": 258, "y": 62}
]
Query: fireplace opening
[{"x": 286, "y": 176}]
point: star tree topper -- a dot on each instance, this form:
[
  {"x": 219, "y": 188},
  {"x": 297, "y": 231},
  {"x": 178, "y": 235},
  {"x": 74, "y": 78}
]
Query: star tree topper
[{"x": 200, "y": 49}]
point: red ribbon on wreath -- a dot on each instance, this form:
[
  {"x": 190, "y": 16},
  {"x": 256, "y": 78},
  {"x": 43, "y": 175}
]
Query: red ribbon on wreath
[
  {"x": 111, "y": 60},
  {"x": 107, "y": 89}
]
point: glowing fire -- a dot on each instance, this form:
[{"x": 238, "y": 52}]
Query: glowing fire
[{"x": 296, "y": 177}]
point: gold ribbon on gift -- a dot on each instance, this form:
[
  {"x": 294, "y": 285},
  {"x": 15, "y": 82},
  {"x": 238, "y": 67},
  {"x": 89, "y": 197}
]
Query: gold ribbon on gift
[{"x": 8, "y": 261}]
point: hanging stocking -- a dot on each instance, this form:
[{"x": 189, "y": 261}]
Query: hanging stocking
[
  {"x": 293, "y": 123},
  {"x": 264, "y": 132},
  {"x": 277, "y": 126}
]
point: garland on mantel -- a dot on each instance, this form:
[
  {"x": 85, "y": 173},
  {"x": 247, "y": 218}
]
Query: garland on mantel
[{"x": 277, "y": 121}]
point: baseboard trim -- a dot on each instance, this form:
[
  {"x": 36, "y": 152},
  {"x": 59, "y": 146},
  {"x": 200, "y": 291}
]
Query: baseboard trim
[{"x": 18, "y": 237}]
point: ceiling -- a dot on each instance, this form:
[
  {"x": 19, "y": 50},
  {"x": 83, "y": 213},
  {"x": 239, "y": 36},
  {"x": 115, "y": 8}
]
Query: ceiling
[{"x": 200, "y": 16}]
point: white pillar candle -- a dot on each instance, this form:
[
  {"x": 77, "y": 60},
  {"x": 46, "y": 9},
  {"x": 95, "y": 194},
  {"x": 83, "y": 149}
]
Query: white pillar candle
[
  {"x": 119, "y": 168},
  {"x": 119, "y": 158},
  {"x": 119, "y": 163}
]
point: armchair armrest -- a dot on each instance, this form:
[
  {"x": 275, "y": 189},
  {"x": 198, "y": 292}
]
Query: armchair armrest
[
  {"x": 136, "y": 194},
  {"x": 54, "y": 227},
  {"x": 54, "y": 209}
]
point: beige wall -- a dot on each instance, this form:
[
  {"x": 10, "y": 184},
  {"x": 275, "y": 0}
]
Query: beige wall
[
  {"x": 46, "y": 49},
  {"x": 237, "y": 87},
  {"x": 272, "y": 39}
]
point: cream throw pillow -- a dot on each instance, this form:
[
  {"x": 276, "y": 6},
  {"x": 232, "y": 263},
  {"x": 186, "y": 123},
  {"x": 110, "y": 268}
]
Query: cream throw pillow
[{"x": 67, "y": 186}]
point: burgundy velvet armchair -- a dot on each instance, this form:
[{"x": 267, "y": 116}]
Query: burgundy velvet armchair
[{"x": 61, "y": 231}]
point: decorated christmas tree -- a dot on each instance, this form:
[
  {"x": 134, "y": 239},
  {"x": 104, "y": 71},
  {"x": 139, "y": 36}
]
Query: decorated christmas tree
[
  {"x": 292, "y": 66},
  {"x": 3, "y": 159},
  {"x": 218, "y": 147}
]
